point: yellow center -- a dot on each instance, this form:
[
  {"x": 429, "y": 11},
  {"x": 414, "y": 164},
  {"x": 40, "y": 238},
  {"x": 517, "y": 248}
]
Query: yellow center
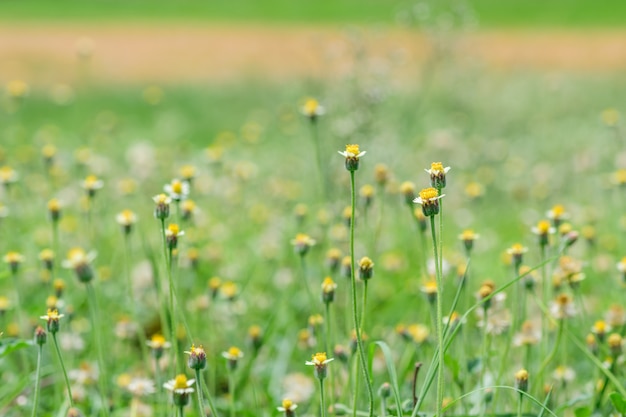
[
  {"x": 287, "y": 404},
  {"x": 428, "y": 194},
  {"x": 180, "y": 382},
  {"x": 254, "y": 332},
  {"x": 468, "y": 235},
  {"x": 91, "y": 181},
  {"x": 177, "y": 187},
  {"x": 229, "y": 289},
  {"x": 320, "y": 357},
  {"x": 75, "y": 253},
  {"x": 366, "y": 263},
  {"x": 518, "y": 249},
  {"x": 407, "y": 187},
  {"x": 563, "y": 299},
  {"x": 310, "y": 106},
  {"x": 521, "y": 375},
  {"x": 188, "y": 172},
  {"x": 234, "y": 352},
  {"x": 328, "y": 285},
  {"x": 599, "y": 326},
  {"x": 13, "y": 257},
  {"x": 173, "y": 229},
  {"x": 158, "y": 340},
  {"x": 437, "y": 167},
  {"x": 53, "y": 314},
  {"x": 128, "y": 215},
  {"x": 614, "y": 340},
  {"x": 352, "y": 150},
  {"x": 558, "y": 211},
  {"x": 161, "y": 199},
  {"x": 543, "y": 227}
]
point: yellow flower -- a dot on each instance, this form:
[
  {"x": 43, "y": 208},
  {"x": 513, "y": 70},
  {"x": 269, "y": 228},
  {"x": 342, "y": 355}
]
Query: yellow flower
[
  {"x": 352, "y": 155},
  {"x": 428, "y": 198},
  {"x": 319, "y": 359},
  {"x": 312, "y": 108},
  {"x": 287, "y": 406},
  {"x": 126, "y": 218},
  {"x": 8, "y": 175},
  {"x": 180, "y": 385},
  {"x": 233, "y": 353},
  {"x": 92, "y": 183}
]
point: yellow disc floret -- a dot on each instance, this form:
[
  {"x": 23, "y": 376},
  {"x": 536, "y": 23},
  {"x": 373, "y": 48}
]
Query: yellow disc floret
[{"x": 428, "y": 194}]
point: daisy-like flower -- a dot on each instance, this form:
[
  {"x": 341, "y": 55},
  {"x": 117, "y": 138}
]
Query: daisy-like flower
[
  {"x": 557, "y": 214},
  {"x": 312, "y": 109},
  {"x": 619, "y": 177},
  {"x": 615, "y": 344},
  {"x": 302, "y": 243},
  {"x": 366, "y": 268},
  {"x": 352, "y": 155},
  {"x": 468, "y": 237},
  {"x": 162, "y": 207},
  {"x": 288, "y": 407},
  {"x": 430, "y": 290},
  {"x": 126, "y": 219},
  {"x": 233, "y": 354},
  {"x": 255, "y": 336},
  {"x": 141, "y": 387},
  {"x": 177, "y": 189},
  {"x": 158, "y": 344},
  {"x": 437, "y": 174},
  {"x": 429, "y": 199},
  {"x": 80, "y": 261},
  {"x": 381, "y": 174},
  {"x": 197, "y": 358},
  {"x": 543, "y": 229},
  {"x": 517, "y": 252},
  {"x": 229, "y": 290},
  {"x": 333, "y": 259},
  {"x": 181, "y": 387},
  {"x": 14, "y": 260},
  {"x": 328, "y": 290},
  {"x": 320, "y": 362},
  {"x": 564, "y": 374},
  {"x": 91, "y": 184},
  {"x": 52, "y": 318},
  {"x": 407, "y": 189},
  {"x": 600, "y": 329},
  {"x": 367, "y": 193},
  {"x": 528, "y": 336},
  {"x": 521, "y": 380},
  {"x": 8, "y": 176},
  {"x": 54, "y": 209},
  {"x": 46, "y": 257},
  {"x": 417, "y": 333},
  {"x": 172, "y": 233},
  {"x": 562, "y": 307}
]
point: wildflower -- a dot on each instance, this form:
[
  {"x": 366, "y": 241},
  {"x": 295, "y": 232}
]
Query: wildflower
[
  {"x": 302, "y": 243},
  {"x": 233, "y": 354},
  {"x": 328, "y": 290},
  {"x": 315, "y": 320},
  {"x": 557, "y": 214},
  {"x": 599, "y": 329},
  {"x": 529, "y": 277},
  {"x": 437, "y": 175},
  {"x": 571, "y": 270},
  {"x": 188, "y": 209},
  {"x": 126, "y": 219},
  {"x": 320, "y": 362},
  {"x": 429, "y": 199},
  {"x": 91, "y": 184},
  {"x": 192, "y": 256},
  {"x": 385, "y": 390},
  {"x": 352, "y": 155},
  {"x": 158, "y": 344},
  {"x": 592, "y": 343},
  {"x": 172, "y": 233},
  {"x": 229, "y": 290},
  {"x": 366, "y": 268},
  {"x": 54, "y": 210},
  {"x": 197, "y": 358},
  {"x": 79, "y": 261},
  {"x": 564, "y": 374},
  {"x": 52, "y": 318},
  {"x": 430, "y": 290},
  {"x": 615, "y": 344},
  {"x": 162, "y": 208},
  {"x": 312, "y": 109},
  {"x": 306, "y": 339},
  {"x": 59, "y": 286},
  {"x": 288, "y": 407},
  {"x": 543, "y": 230},
  {"x": 4, "y": 305},
  {"x": 517, "y": 251},
  {"x": 474, "y": 190},
  {"x": 214, "y": 285},
  {"x": 181, "y": 388},
  {"x": 46, "y": 257},
  {"x": 484, "y": 293},
  {"x": 48, "y": 152},
  {"x": 417, "y": 333},
  {"x": 341, "y": 353},
  {"x": 521, "y": 380},
  {"x": 407, "y": 189},
  {"x": 367, "y": 194},
  {"x": 8, "y": 176},
  {"x": 333, "y": 256},
  {"x": 188, "y": 173},
  {"x": 255, "y": 335},
  {"x": 616, "y": 316},
  {"x": 468, "y": 237},
  {"x": 562, "y": 307},
  {"x": 528, "y": 336},
  {"x": 381, "y": 174},
  {"x": 177, "y": 190},
  {"x": 418, "y": 213},
  {"x": 14, "y": 260},
  {"x": 140, "y": 387},
  {"x": 40, "y": 336},
  {"x": 52, "y": 301},
  {"x": 589, "y": 234}
]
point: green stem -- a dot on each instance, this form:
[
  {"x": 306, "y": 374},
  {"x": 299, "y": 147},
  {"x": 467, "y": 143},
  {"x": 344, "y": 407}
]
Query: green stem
[
  {"x": 519, "y": 405},
  {"x": 201, "y": 412},
  {"x": 364, "y": 307},
  {"x": 93, "y": 309},
  {"x": 37, "y": 385},
  {"x": 328, "y": 345},
  {"x": 209, "y": 399},
  {"x": 383, "y": 407},
  {"x": 322, "y": 404},
  {"x": 167, "y": 254},
  {"x": 318, "y": 157},
  {"x": 557, "y": 342},
  {"x": 132, "y": 304},
  {"x": 67, "y": 381},
  {"x": 439, "y": 318},
  {"x": 355, "y": 317},
  {"x": 231, "y": 392}
]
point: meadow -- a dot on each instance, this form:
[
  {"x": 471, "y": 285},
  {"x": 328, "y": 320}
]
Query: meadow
[{"x": 518, "y": 277}]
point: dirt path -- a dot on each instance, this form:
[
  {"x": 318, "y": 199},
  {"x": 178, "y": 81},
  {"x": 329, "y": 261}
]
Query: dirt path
[{"x": 132, "y": 52}]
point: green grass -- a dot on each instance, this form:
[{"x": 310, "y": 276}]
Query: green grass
[
  {"x": 490, "y": 13},
  {"x": 532, "y": 141}
]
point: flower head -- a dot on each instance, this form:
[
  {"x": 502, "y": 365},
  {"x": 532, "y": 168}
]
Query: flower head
[
  {"x": 14, "y": 260},
  {"x": 328, "y": 290},
  {"x": 437, "y": 174},
  {"x": 177, "y": 189},
  {"x": 468, "y": 237},
  {"x": 233, "y": 354},
  {"x": 80, "y": 261},
  {"x": 54, "y": 209},
  {"x": 126, "y": 219},
  {"x": 288, "y": 407},
  {"x": 52, "y": 318},
  {"x": 91, "y": 184},
  {"x": 366, "y": 268},
  {"x": 158, "y": 344},
  {"x": 172, "y": 233},
  {"x": 563, "y": 307},
  {"x": 140, "y": 387},
  {"x": 429, "y": 199},
  {"x": 162, "y": 208},
  {"x": 302, "y": 243},
  {"x": 557, "y": 214},
  {"x": 320, "y": 361},
  {"x": 312, "y": 109},
  {"x": 521, "y": 380},
  {"x": 197, "y": 358},
  {"x": 8, "y": 175},
  {"x": 352, "y": 155},
  {"x": 181, "y": 387}
]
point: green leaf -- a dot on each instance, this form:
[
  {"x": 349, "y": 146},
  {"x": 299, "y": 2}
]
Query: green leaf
[
  {"x": 583, "y": 412},
  {"x": 453, "y": 365},
  {"x": 391, "y": 369},
  {"x": 10, "y": 345},
  {"x": 619, "y": 402}
]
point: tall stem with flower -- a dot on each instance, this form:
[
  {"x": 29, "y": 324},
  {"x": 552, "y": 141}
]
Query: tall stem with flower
[{"x": 352, "y": 155}]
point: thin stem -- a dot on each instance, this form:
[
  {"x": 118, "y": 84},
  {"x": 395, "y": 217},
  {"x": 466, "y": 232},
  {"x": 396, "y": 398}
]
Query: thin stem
[
  {"x": 383, "y": 407},
  {"x": 67, "y": 381},
  {"x": 322, "y": 404},
  {"x": 173, "y": 316},
  {"x": 328, "y": 345},
  {"x": 37, "y": 377},
  {"x": 364, "y": 307},
  {"x": 439, "y": 318},
  {"x": 133, "y": 305},
  {"x": 93, "y": 309},
  {"x": 355, "y": 317},
  {"x": 554, "y": 349},
  {"x": 306, "y": 282},
  {"x": 231, "y": 392},
  {"x": 200, "y": 398},
  {"x": 519, "y": 405}
]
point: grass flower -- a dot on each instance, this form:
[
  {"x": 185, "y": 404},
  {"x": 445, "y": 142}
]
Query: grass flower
[
  {"x": 14, "y": 260},
  {"x": 80, "y": 262},
  {"x": 288, "y": 407},
  {"x": 180, "y": 387},
  {"x": 126, "y": 219},
  {"x": 320, "y": 362},
  {"x": 366, "y": 268},
  {"x": 302, "y": 243},
  {"x": 333, "y": 258},
  {"x": 437, "y": 174},
  {"x": 158, "y": 344},
  {"x": 312, "y": 109},
  {"x": 562, "y": 307},
  {"x": 172, "y": 233},
  {"x": 468, "y": 237},
  {"x": 91, "y": 185},
  {"x": 52, "y": 319},
  {"x": 197, "y": 357},
  {"x": 407, "y": 189},
  {"x": 543, "y": 230},
  {"x": 557, "y": 214},
  {"x": 46, "y": 256},
  {"x": 162, "y": 206},
  {"x": 381, "y": 174},
  {"x": 233, "y": 354},
  {"x": 8, "y": 176},
  {"x": 352, "y": 155},
  {"x": 429, "y": 199},
  {"x": 54, "y": 210},
  {"x": 328, "y": 290},
  {"x": 177, "y": 190},
  {"x": 140, "y": 387}
]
